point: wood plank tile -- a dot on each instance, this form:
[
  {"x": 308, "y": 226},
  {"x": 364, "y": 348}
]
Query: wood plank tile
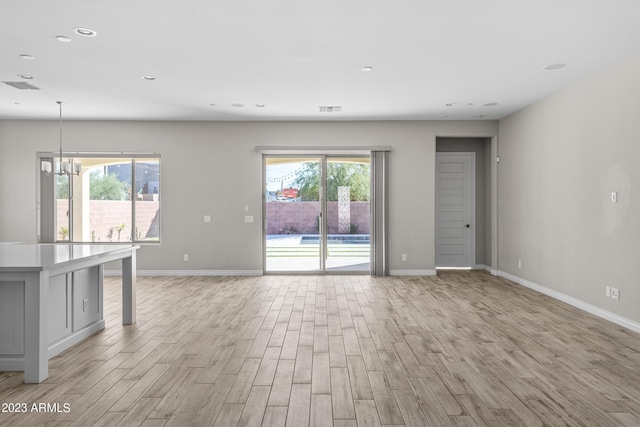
[
  {"x": 388, "y": 409},
  {"x": 281, "y": 389},
  {"x": 461, "y": 348},
  {"x": 229, "y": 415},
  {"x": 321, "y": 411},
  {"x": 337, "y": 356},
  {"x": 268, "y": 365},
  {"x": 275, "y": 416},
  {"x": 303, "y": 367},
  {"x": 320, "y": 374},
  {"x": 244, "y": 381},
  {"x": 299, "y": 405},
  {"x": 366, "y": 413},
  {"x": 410, "y": 408},
  {"x": 253, "y": 411},
  {"x": 360, "y": 388},
  {"x": 341, "y": 396}
]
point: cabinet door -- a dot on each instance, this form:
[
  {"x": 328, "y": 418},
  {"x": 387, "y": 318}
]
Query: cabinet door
[
  {"x": 11, "y": 318},
  {"x": 59, "y": 307},
  {"x": 86, "y": 297}
]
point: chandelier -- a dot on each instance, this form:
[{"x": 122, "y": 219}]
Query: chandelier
[{"x": 61, "y": 167}]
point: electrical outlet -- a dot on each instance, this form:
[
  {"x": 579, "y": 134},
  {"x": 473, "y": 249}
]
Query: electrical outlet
[
  {"x": 85, "y": 304},
  {"x": 607, "y": 291},
  {"x": 404, "y": 257},
  {"x": 207, "y": 218},
  {"x": 186, "y": 257},
  {"x": 615, "y": 293}
]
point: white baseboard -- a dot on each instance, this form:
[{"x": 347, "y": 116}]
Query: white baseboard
[
  {"x": 486, "y": 268},
  {"x": 188, "y": 273},
  {"x": 596, "y": 311},
  {"x": 16, "y": 363},
  {"x": 412, "y": 272},
  {"x": 12, "y": 364},
  {"x": 68, "y": 342}
]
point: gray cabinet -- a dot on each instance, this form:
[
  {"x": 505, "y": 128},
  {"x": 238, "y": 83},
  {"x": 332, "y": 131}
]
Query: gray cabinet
[{"x": 74, "y": 304}]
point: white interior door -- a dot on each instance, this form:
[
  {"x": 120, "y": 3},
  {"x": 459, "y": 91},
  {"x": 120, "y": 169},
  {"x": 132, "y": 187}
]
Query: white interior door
[{"x": 455, "y": 190}]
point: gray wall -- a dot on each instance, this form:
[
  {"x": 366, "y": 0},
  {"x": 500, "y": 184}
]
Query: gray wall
[
  {"x": 482, "y": 148},
  {"x": 211, "y": 168},
  {"x": 560, "y": 160}
]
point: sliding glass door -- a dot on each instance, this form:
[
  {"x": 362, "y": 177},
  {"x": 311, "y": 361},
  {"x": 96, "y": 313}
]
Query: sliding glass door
[
  {"x": 293, "y": 214},
  {"x": 317, "y": 214},
  {"x": 348, "y": 190}
]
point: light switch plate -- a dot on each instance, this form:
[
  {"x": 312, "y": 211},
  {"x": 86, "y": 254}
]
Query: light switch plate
[
  {"x": 248, "y": 218},
  {"x": 614, "y": 197},
  {"x": 207, "y": 218}
]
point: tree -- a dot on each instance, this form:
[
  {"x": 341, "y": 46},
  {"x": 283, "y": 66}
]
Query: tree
[
  {"x": 308, "y": 182},
  {"x": 105, "y": 187},
  {"x": 339, "y": 174},
  {"x": 62, "y": 187},
  {"x": 101, "y": 187}
]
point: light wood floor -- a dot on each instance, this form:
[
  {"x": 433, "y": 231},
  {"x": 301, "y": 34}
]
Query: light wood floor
[{"x": 459, "y": 349}]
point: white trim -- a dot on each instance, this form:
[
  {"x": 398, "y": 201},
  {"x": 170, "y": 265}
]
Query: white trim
[
  {"x": 596, "y": 311},
  {"x": 68, "y": 342},
  {"x": 324, "y": 150},
  {"x": 486, "y": 268},
  {"x": 12, "y": 364},
  {"x": 16, "y": 363},
  {"x": 189, "y": 273},
  {"x": 412, "y": 272}
]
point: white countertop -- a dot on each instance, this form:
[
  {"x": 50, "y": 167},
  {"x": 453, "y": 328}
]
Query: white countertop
[{"x": 46, "y": 256}]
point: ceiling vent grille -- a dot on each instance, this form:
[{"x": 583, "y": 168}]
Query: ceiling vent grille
[
  {"x": 330, "y": 109},
  {"x": 21, "y": 85}
]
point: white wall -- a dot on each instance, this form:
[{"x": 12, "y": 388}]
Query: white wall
[
  {"x": 560, "y": 160},
  {"x": 211, "y": 168}
]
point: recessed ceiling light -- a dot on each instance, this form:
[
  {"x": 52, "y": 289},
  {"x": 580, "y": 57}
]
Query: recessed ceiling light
[
  {"x": 490, "y": 104},
  {"x": 554, "y": 67},
  {"x": 213, "y": 105},
  {"x": 150, "y": 78},
  {"x": 29, "y": 57},
  {"x": 63, "y": 39},
  {"x": 367, "y": 68},
  {"x": 237, "y": 105},
  {"x": 260, "y": 105},
  {"x": 86, "y": 32},
  {"x": 25, "y": 76},
  {"x": 451, "y": 104},
  {"x": 470, "y": 104},
  {"x": 480, "y": 116}
]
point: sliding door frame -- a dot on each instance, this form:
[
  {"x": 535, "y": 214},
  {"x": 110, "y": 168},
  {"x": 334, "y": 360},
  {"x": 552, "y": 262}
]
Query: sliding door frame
[{"x": 378, "y": 201}]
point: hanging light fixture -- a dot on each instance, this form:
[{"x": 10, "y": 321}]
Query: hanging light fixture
[{"x": 62, "y": 167}]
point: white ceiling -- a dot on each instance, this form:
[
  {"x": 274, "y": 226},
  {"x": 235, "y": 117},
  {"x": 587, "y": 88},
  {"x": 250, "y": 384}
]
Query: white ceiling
[{"x": 293, "y": 56}]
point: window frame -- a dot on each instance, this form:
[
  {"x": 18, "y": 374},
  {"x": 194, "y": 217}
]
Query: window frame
[{"x": 46, "y": 195}]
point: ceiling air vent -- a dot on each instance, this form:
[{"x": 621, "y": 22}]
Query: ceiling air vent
[
  {"x": 330, "y": 109},
  {"x": 21, "y": 85}
]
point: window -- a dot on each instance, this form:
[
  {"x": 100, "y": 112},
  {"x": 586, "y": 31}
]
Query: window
[{"x": 114, "y": 199}]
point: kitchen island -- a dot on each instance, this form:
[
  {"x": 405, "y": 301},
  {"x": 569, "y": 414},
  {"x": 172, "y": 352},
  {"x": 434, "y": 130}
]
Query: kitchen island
[{"x": 51, "y": 299}]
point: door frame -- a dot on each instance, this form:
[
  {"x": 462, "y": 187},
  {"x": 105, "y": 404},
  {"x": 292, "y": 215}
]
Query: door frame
[
  {"x": 471, "y": 196},
  {"x": 322, "y": 199}
]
